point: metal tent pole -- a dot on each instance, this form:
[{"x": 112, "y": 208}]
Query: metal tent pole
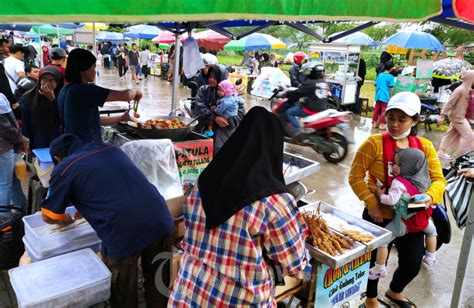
[
  {"x": 93, "y": 38},
  {"x": 176, "y": 72},
  {"x": 467, "y": 252}
]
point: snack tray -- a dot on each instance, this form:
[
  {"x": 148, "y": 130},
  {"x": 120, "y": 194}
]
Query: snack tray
[
  {"x": 296, "y": 167},
  {"x": 381, "y": 236}
]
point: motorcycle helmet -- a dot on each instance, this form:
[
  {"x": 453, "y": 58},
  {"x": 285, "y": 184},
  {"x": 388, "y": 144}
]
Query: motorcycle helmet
[
  {"x": 299, "y": 57},
  {"x": 313, "y": 70}
]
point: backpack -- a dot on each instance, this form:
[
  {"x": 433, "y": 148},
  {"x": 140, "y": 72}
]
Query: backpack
[{"x": 417, "y": 222}]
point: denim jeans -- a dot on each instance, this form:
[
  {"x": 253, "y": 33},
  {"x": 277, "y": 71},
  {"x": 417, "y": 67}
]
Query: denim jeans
[
  {"x": 10, "y": 187},
  {"x": 291, "y": 115}
]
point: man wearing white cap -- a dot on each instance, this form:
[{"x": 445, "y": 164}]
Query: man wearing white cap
[{"x": 375, "y": 158}]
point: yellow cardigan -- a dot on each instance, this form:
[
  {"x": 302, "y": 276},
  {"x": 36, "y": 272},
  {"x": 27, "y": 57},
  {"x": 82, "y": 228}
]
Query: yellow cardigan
[{"x": 369, "y": 157}]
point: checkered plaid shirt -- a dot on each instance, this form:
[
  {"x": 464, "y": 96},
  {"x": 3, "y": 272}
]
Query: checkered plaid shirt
[{"x": 224, "y": 266}]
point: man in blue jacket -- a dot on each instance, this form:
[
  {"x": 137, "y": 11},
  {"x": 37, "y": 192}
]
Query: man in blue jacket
[{"x": 124, "y": 208}]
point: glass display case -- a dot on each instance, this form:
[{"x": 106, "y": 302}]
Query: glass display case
[{"x": 341, "y": 63}]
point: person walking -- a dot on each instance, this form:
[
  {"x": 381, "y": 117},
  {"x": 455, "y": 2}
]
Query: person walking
[
  {"x": 145, "y": 60},
  {"x": 14, "y": 65},
  {"x": 121, "y": 62},
  {"x": 383, "y": 91},
  {"x": 134, "y": 62},
  {"x": 459, "y": 139}
]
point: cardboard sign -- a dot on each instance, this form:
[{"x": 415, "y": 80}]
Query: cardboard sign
[
  {"x": 404, "y": 83},
  {"x": 336, "y": 286},
  {"x": 192, "y": 158},
  {"x": 424, "y": 69}
]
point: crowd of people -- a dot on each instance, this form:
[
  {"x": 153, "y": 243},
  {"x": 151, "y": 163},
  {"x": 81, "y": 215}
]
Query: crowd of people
[{"x": 240, "y": 197}]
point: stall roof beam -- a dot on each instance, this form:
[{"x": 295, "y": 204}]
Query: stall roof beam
[
  {"x": 349, "y": 32},
  {"x": 305, "y": 29},
  {"x": 454, "y": 23},
  {"x": 256, "y": 29},
  {"x": 223, "y": 31}
]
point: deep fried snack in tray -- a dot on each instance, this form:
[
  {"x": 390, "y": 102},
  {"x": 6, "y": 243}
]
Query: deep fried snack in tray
[
  {"x": 323, "y": 238},
  {"x": 360, "y": 236}
]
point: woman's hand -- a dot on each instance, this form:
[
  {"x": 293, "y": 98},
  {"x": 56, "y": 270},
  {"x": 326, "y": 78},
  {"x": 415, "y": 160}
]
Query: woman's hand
[
  {"x": 424, "y": 198},
  {"x": 138, "y": 95},
  {"x": 47, "y": 90},
  {"x": 441, "y": 119},
  {"x": 467, "y": 172},
  {"x": 125, "y": 117},
  {"x": 376, "y": 213},
  {"x": 221, "y": 121}
]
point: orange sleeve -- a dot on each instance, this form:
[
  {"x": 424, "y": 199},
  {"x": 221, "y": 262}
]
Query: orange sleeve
[{"x": 52, "y": 215}]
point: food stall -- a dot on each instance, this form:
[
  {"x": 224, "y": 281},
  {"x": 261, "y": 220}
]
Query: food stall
[{"x": 341, "y": 63}]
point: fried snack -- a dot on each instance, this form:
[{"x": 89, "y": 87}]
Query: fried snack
[
  {"x": 360, "y": 236},
  {"x": 323, "y": 238},
  {"x": 166, "y": 124},
  {"x": 136, "y": 115}
]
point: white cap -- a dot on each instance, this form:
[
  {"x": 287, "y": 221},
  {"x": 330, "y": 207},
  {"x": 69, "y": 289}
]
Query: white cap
[
  {"x": 209, "y": 59},
  {"x": 407, "y": 102}
]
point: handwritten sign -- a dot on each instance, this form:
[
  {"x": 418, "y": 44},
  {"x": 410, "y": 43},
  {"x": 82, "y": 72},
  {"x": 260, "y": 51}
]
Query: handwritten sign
[
  {"x": 424, "y": 69},
  {"x": 336, "y": 286},
  {"x": 404, "y": 83},
  {"x": 192, "y": 158}
]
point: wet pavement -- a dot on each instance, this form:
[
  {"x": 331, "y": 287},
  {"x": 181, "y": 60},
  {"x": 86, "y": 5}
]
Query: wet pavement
[{"x": 431, "y": 288}]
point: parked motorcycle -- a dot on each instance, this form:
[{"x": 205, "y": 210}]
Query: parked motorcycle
[{"x": 326, "y": 132}]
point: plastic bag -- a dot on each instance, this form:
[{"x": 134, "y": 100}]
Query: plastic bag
[
  {"x": 156, "y": 159},
  {"x": 20, "y": 167}
]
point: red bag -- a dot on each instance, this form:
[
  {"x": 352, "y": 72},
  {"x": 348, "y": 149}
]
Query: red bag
[{"x": 420, "y": 220}]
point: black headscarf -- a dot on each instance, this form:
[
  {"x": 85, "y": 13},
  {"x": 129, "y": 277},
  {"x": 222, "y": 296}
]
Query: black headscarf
[
  {"x": 44, "y": 112},
  {"x": 247, "y": 168},
  {"x": 79, "y": 60},
  {"x": 220, "y": 72}
]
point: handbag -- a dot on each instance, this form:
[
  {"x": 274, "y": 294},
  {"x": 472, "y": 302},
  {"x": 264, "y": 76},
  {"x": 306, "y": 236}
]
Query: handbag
[{"x": 458, "y": 193}]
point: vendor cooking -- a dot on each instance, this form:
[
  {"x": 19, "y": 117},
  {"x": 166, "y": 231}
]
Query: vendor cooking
[
  {"x": 122, "y": 206},
  {"x": 79, "y": 100}
]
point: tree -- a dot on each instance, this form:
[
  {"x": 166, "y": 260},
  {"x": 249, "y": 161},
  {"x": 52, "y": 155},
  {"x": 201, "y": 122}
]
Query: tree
[
  {"x": 379, "y": 33},
  {"x": 451, "y": 36}
]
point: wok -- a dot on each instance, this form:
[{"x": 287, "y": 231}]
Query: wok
[{"x": 162, "y": 133}]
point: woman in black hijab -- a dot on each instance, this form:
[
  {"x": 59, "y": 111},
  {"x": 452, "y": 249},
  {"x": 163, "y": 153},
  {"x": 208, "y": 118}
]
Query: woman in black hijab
[
  {"x": 240, "y": 222},
  {"x": 207, "y": 97},
  {"x": 41, "y": 122}
]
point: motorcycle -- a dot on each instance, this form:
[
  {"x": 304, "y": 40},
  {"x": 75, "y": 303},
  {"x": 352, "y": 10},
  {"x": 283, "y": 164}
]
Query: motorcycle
[{"x": 326, "y": 132}]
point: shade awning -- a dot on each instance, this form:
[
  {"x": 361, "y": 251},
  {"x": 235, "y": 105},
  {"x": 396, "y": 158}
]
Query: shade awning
[{"x": 120, "y": 11}]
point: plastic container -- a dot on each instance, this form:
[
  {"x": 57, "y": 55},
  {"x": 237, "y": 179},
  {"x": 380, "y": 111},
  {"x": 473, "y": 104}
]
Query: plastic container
[
  {"x": 44, "y": 165},
  {"x": 76, "y": 279},
  {"x": 20, "y": 167},
  {"x": 47, "y": 245},
  {"x": 35, "y": 257}
]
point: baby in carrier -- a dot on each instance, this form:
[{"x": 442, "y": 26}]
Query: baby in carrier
[
  {"x": 411, "y": 177},
  {"x": 227, "y": 105}
]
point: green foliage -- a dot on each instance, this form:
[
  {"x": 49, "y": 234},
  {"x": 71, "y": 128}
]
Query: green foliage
[
  {"x": 451, "y": 36},
  {"x": 116, "y": 28},
  {"x": 379, "y": 33}
]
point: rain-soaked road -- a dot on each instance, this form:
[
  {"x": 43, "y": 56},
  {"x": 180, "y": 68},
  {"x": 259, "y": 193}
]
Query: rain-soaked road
[{"x": 431, "y": 288}]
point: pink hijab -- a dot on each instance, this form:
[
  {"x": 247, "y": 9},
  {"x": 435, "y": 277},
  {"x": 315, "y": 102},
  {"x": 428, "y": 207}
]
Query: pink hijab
[{"x": 228, "y": 88}]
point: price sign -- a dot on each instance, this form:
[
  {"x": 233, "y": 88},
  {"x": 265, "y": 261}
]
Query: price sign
[
  {"x": 403, "y": 84},
  {"x": 424, "y": 69}
]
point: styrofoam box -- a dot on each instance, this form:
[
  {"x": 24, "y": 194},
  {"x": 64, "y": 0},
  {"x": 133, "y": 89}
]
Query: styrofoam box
[
  {"x": 60, "y": 242},
  {"x": 94, "y": 245},
  {"x": 76, "y": 279}
]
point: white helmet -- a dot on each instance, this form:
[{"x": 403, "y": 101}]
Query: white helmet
[{"x": 209, "y": 59}]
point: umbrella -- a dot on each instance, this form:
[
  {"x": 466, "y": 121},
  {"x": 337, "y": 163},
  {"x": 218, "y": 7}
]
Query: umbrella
[
  {"x": 210, "y": 39},
  {"x": 205, "y": 10},
  {"x": 414, "y": 39},
  {"x": 143, "y": 32},
  {"x": 52, "y": 30},
  {"x": 255, "y": 41},
  {"x": 168, "y": 37},
  {"x": 164, "y": 46},
  {"x": 357, "y": 38},
  {"x": 449, "y": 68},
  {"x": 109, "y": 36},
  {"x": 28, "y": 34},
  {"x": 70, "y": 25}
]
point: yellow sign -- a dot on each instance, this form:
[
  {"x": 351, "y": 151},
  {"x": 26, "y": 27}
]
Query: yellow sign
[{"x": 396, "y": 50}]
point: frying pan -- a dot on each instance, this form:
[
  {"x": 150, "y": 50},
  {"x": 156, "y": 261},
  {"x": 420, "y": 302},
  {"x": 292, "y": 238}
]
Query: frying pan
[{"x": 162, "y": 133}]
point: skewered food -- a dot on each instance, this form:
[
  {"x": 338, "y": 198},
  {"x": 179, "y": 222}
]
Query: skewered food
[
  {"x": 323, "y": 238},
  {"x": 164, "y": 123},
  {"x": 360, "y": 236}
]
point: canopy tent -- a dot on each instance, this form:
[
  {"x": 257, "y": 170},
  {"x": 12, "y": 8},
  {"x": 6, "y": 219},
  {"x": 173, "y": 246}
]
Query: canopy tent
[
  {"x": 255, "y": 41},
  {"x": 142, "y": 32},
  {"x": 15, "y": 27},
  {"x": 109, "y": 36},
  {"x": 48, "y": 29},
  {"x": 357, "y": 38},
  {"x": 210, "y": 39},
  {"x": 167, "y": 37}
]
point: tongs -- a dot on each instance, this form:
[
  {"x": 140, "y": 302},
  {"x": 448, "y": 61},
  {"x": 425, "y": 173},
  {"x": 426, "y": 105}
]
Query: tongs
[{"x": 133, "y": 111}]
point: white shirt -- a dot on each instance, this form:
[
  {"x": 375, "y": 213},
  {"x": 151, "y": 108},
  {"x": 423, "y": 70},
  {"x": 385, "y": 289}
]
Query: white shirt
[
  {"x": 13, "y": 66},
  {"x": 397, "y": 189},
  {"x": 144, "y": 56}
]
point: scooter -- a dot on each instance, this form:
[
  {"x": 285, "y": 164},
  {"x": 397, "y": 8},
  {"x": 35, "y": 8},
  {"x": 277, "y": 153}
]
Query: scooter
[{"x": 326, "y": 132}]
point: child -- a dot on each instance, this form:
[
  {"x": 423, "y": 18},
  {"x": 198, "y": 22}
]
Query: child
[
  {"x": 410, "y": 172},
  {"x": 227, "y": 105},
  {"x": 383, "y": 91}
]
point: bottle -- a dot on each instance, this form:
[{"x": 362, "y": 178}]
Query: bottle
[{"x": 20, "y": 167}]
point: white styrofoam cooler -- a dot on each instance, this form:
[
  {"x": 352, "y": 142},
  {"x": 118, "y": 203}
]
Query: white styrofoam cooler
[
  {"x": 76, "y": 279},
  {"x": 48, "y": 245}
]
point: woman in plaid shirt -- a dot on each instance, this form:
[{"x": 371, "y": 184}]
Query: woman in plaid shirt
[{"x": 238, "y": 216}]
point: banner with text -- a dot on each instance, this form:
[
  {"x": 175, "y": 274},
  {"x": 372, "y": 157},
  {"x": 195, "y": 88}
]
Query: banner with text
[
  {"x": 404, "y": 83},
  {"x": 347, "y": 284},
  {"x": 424, "y": 69},
  {"x": 192, "y": 157}
]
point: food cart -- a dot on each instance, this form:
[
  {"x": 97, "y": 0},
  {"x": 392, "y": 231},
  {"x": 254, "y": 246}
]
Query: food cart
[{"x": 341, "y": 63}]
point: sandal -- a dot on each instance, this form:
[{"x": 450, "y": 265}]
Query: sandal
[{"x": 402, "y": 304}]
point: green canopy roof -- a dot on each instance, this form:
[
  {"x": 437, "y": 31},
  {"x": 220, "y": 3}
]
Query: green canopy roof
[
  {"x": 52, "y": 30},
  {"x": 120, "y": 11}
]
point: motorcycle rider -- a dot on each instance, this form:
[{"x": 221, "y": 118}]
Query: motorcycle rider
[
  {"x": 312, "y": 95},
  {"x": 296, "y": 76}
]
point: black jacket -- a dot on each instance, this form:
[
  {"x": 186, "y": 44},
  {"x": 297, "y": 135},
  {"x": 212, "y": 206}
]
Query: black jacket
[
  {"x": 312, "y": 94},
  {"x": 296, "y": 77},
  {"x": 5, "y": 86}
]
